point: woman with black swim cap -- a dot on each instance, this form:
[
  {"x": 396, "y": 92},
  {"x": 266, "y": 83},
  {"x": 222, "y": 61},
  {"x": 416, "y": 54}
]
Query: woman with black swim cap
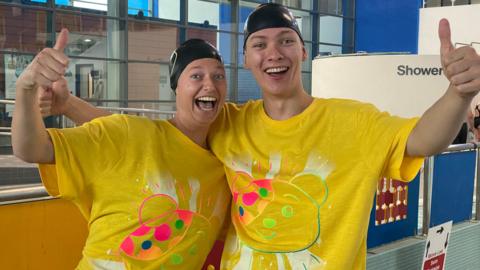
[{"x": 153, "y": 195}]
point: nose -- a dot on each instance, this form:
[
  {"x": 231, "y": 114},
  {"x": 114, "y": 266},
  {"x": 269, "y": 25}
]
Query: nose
[
  {"x": 273, "y": 53},
  {"x": 209, "y": 82}
]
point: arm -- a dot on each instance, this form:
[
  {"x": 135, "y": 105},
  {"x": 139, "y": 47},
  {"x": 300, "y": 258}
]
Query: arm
[
  {"x": 59, "y": 100},
  {"x": 30, "y": 139},
  {"x": 439, "y": 125}
]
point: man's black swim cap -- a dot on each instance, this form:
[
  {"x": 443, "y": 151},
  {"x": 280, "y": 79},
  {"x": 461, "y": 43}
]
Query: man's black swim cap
[
  {"x": 187, "y": 52},
  {"x": 269, "y": 15}
]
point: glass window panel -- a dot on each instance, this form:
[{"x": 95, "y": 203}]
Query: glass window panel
[
  {"x": 240, "y": 50},
  {"x": 331, "y": 29},
  {"x": 168, "y": 9},
  {"x": 140, "y": 8},
  {"x": 209, "y": 35},
  {"x": 247, "y": 86},
  {"x": 348, "y": 32},
  {"x": 331, "y": 6},
  {"x": 230, "y": 85},
  {"x": 11, "y": 66},
  {"x": 329, "y": 49},
  {"x": 23, "y": 29},
  {"x": 87, "y": 34},
  {"x": 304, "y": 23},
  {"x": 224, "y": 46},
  {"x": 151, "y": 42},
  {"x": 462, "y": 2},
  {"x": 211, "y": 14},
  {"x": 245, "y": 9},
  {"x": 432, "y": 3},
  {"x": 455, "y": 2},
  {"x": 295, "y": 3},
  {"x": 149, "y": 87},
  {"x": 307, "y": 81},
  {"x": 85, "y": 5}
]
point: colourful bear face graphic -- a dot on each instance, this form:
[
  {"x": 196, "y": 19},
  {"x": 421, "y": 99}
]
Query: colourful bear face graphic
[
  {"x": 171, "y": 236},
  {"x": 272, "y": 215}
]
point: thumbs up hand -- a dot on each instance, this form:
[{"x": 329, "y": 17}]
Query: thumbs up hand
[
  {"x": 47, "y": 67},
  {"x": 461, "y": 65}
]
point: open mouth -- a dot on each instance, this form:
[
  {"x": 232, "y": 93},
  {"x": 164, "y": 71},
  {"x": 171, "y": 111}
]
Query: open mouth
[
  {"x": 276, "y": 70},
  {"x": 206, "y": 103}
]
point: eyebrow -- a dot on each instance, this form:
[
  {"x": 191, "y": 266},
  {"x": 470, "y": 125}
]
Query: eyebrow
[{"x": 201, "y": 67}]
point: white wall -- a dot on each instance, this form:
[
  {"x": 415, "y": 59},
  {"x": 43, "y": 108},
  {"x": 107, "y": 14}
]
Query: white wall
[
  {"x": 377, "y": 79},
  {"x": 464, "y": 24}
]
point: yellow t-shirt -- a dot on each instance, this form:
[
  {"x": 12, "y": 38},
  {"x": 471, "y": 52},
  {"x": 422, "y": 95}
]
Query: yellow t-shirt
[
  {"x": 303, "y": 187},
  {"x": 153, "y": 199}
]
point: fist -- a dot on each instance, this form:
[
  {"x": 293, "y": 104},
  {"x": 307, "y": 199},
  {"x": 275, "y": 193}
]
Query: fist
[{"x": 47, "y": 67}]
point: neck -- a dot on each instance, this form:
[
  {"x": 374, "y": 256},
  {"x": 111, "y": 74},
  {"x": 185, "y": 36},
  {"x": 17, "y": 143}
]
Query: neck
[
  {"x": 198, "y": 134},
  {"x": 282, "y": 108}
]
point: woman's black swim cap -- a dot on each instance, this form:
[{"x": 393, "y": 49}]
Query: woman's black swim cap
[
  {"x": 190, "y": 50},
  {"x": 269, "y": 15}
]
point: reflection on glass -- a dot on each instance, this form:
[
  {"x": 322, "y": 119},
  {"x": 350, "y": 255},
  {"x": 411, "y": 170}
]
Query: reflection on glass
[
  {"x": 151, "y": 41},
  {"x": 304, "y": 23},
  {"x": 305, "y": 4},
  {"x": 149, "y": 87},
  {"x": 247, "y": 86},
  {"x": 324, "y": 50},
  {"x": 331, "y": 29},
  {"x": 307, "y": 81},
  {"x": 87, "y": 35},
  {"x": 331, "y": 6},
  {"x": 140, "y": 8},
  {"x": 204, "y": 13},
  {"x": 168, "y": 9},
  {"x": 97, "y": 5},
  {"x": 22, "y": 29}
]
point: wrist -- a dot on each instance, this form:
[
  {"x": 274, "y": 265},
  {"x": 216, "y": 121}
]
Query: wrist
[
  {"x": 68, "y": 106},
  {"x": 462, "y": 97}
]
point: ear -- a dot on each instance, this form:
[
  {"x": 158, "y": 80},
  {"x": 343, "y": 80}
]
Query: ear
[{"x": 304, "y": 53}]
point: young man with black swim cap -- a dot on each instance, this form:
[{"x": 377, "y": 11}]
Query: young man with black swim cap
[
  {"x": 303, "y": 170},
  {"x": 153, "y": 195}
]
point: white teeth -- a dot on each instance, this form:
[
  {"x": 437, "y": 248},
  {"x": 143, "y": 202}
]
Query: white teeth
[
  {"x": 276, "y": 69},
  {"x": 206, "y": 99}
]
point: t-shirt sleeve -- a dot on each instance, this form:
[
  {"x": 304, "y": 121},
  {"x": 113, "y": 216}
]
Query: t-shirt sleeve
[
  {"x": 82, "y": 155},
  {"x": 386, "y": 138}
]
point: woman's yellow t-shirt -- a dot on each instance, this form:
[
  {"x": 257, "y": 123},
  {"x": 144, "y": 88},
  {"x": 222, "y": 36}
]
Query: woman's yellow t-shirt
[{"x": 153, "y": 199}]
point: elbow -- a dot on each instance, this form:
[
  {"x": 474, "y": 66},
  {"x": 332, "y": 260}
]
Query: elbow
[{"x": 23, "y": 155}]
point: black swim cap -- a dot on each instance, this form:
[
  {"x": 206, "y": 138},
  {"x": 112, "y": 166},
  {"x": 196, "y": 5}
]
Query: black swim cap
[
  {"x": 269, "y": 15},
  {"x": 187, "y": 52}
]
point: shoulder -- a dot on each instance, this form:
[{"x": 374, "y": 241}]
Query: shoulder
[{"x": 122, "y": 124}]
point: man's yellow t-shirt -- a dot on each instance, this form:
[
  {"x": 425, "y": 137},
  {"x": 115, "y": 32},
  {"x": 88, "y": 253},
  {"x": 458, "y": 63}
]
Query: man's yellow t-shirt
[
  {"x": 153, "y": 199},
  {"x": 303, "y": 187}
]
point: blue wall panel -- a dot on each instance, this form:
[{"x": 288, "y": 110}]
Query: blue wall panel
[
  {"x": 387, "y": 25},
  {"x": 452, "y": 188}
]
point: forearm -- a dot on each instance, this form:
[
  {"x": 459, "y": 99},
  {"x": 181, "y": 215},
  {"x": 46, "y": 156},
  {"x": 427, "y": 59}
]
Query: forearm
[
  {"x": 80, "y": 111},
  {"x": 439, "y": 125},
  {"x": 30, "y": 140}
]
